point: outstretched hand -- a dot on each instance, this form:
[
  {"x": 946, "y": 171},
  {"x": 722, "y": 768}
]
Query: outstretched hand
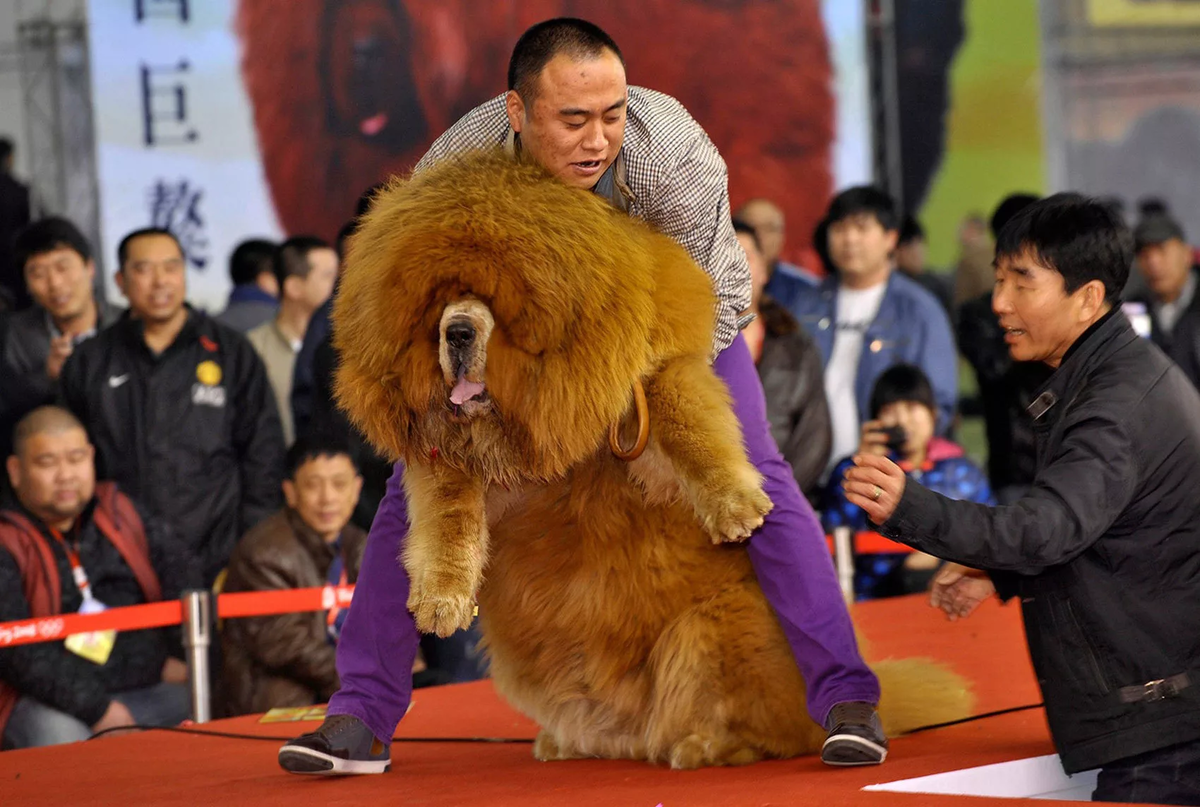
[
  {"x": 958, "y": 590},
  {"x": 876, "y": 484}
]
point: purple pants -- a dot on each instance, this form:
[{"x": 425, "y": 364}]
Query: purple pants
[{"x": 791, "y": 559}]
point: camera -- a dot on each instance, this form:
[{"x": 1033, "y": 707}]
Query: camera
[{"x": 896, "y": 438}]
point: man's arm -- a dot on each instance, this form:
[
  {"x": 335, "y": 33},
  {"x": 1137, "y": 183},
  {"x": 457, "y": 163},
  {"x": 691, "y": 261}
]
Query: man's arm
[
  {"x": 692, "y": 207},
  {"x": 257, "y": 439},
  {"x": 1081, "y": 492},
  {"x": 47, "y": 671}
]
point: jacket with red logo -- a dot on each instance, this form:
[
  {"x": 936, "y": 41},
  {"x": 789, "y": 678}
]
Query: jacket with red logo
[
  {"x": 129, "y": 560},
  {"x": 192, "y": 433}
]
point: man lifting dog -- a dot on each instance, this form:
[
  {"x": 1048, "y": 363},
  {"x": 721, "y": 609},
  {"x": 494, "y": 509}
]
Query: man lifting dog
[{"x": 569, "y": 109}]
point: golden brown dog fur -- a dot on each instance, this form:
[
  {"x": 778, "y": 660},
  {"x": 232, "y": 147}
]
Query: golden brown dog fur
[{"x": 609, "y": 615}]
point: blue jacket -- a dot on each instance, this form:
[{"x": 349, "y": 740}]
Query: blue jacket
[{"x": 910, "y": 328}]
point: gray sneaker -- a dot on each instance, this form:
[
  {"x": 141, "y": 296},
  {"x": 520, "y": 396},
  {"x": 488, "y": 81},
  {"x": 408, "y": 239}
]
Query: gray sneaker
[
  {"x": 342, "y": 745},
  {"x": 855, "y": 736}
]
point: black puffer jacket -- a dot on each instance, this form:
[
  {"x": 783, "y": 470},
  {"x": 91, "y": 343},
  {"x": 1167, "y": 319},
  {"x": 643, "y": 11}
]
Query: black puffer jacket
[
  {"x": 192, "y": 434},
  {"x": 1104, "y": 551}
]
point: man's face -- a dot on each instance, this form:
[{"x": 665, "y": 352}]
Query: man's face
[
  {"x": 1165, "y": 267},
  {"x": 910, "y": 256},
  {"x": 576, "y": 123},
  {"x": 759, "y": 273},
  {"x": 61, "y": 282},
  {"x": 767, "y": 221},
  {"x": 1040, "y": 320},
  {"x": 314, "y": 289},
  {"x": 860, "y": 247},
  {"x": 54, "y": 475},
  {"x": 153, "y": 278},
  {"x": 324, "y": 492}
]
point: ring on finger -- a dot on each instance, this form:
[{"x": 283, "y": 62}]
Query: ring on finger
[{"x": 878, "y": 493}]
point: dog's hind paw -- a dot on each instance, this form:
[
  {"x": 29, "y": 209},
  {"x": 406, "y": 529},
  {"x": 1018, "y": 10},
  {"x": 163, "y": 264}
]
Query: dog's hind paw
[
  {"x": 546, "y": 748},
  {"x": 442, "y": 615}
]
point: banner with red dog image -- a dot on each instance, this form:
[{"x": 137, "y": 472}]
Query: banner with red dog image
[{"x": 228, "y": 119}]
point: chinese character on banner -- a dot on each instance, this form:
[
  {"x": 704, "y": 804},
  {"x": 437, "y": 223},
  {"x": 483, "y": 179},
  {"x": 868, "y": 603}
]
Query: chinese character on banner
[
  {"x": 164, "y": 102},
  {"x": 160, "y": 8},
  {"x": 176, "y": 207}
]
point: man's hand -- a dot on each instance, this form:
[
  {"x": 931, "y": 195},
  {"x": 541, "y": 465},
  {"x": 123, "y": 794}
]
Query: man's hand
[
  {"x": 116, "y": 717},
  {"x": 174, "y": 671},
  {"x": 958, "y": 590},
  {"x": 876, "y": 484},
  {"x": 60, "y": 351}
]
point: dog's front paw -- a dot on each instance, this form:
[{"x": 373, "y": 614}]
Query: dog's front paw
[
  {"x": 440, "y": 609},
  {"x": 733, "y": 512}
]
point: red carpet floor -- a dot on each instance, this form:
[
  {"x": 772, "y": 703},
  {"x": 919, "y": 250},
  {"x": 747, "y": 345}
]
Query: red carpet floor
[{"x": 174, "y": 769}]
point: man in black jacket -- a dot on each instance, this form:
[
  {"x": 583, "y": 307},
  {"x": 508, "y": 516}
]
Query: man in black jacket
[
  {"x": 56, "y": 262},
  {"x": 1167, "y": 264},
  {"x": 68, "y": 544},
  {"x": 1104, "y": 551},
  {"x": 179, "y": 407}
]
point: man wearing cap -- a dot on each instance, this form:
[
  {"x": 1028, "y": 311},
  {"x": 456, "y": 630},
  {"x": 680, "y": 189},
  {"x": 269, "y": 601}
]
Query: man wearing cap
[{"x": 1166, "y": 262}]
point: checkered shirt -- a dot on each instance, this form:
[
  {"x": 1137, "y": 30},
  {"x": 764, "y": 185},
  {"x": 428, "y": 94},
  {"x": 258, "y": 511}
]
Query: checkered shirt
[{"x": 677, "y": 180}]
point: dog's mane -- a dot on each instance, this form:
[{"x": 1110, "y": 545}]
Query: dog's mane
[{"x": 584, "y": 299}]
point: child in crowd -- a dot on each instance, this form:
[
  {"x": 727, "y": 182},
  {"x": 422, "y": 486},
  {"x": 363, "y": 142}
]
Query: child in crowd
[{"x": 902, "y": 427}]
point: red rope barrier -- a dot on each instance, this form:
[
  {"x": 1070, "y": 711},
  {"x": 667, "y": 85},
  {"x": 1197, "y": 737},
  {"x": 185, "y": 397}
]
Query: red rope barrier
[
  {"x": 250, "y": 603},
  {"x": 163, "y": 614}
]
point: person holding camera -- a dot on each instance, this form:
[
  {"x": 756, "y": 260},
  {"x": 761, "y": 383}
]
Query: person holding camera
[{"x": 903, "y": 427}]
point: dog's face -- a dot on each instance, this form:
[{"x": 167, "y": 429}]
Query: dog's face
[
  {"x": 463, "y": 334},
  {"x": 491, "y": 317}
]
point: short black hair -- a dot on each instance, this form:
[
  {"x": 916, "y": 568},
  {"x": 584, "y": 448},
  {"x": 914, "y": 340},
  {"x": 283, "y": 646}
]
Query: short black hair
[
  {"x": 577, "y": 38},
  {"x": 1009, "y": 206},
  {"x": 740, "y": 226},
  {"x": 291, "y": 257},
  {"x": 123, "y": 247},
  {"x": 314, "y": 447},
  {"x": 863, "y": 199},
  {"x": 902, "y": 382},
  {"x": 1080, "y": 238},
  {"x": 48, "y": 235},
  {"x": 6, "y": 149},
  {"x": 910, "y": 230},
  {"x": 250, "y": 259}
]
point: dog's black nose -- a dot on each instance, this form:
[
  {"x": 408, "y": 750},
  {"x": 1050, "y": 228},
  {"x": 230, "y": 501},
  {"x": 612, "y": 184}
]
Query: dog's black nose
[{"x": 460, "y": 334}]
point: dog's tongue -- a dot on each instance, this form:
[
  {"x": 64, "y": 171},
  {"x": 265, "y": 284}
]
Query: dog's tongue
[{"x": 464, "y": 391}]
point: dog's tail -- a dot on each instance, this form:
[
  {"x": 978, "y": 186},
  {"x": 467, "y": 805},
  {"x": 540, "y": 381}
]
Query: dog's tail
[{"x": 920, "y": 692}]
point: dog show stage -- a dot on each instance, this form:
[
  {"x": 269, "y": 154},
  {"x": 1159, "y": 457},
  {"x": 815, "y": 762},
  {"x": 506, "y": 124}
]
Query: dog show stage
[{"x": 1001, "y": 755}]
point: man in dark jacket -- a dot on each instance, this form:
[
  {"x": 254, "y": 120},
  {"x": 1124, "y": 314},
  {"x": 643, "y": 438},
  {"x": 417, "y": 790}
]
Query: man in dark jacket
[
  {"x": 68, "y": 545},
  {"x": 1167, "y": 264},
  {"x": 288, "y": 660},
  {"x": 793, "y": 377},
  {"x": 179, "y": 407},
  {"x": 1104, "y": 551},
  {"x": 59, "y": 272},
  {"x": 254, "y": 298}
]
